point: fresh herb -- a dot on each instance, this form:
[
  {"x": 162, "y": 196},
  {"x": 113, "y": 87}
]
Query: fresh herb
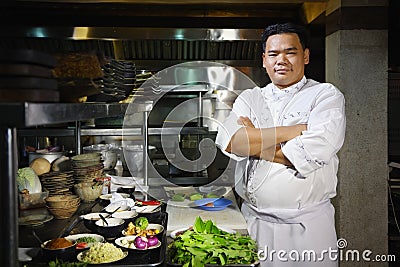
[
  {"x": 207, "y": 244},
  {"x": 60, "y": 263},
  {"x": 86, "y": 239}
]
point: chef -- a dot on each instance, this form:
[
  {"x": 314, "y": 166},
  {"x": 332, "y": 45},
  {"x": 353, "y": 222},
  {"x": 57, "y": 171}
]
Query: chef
[{"x": 285, "y": 138}]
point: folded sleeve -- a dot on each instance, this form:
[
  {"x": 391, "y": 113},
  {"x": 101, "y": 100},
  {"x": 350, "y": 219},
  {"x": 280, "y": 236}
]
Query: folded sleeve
[
  {"x": 230, "y": 126},
  {"x": 324, "y": 135}
]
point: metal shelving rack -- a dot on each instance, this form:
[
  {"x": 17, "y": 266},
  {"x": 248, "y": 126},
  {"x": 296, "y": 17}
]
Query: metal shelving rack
[{"x": 22, "y": 115}]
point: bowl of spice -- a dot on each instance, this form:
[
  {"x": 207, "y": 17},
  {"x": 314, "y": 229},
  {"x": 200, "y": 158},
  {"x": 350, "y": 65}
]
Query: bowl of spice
[{"x": 62, "y": 248}]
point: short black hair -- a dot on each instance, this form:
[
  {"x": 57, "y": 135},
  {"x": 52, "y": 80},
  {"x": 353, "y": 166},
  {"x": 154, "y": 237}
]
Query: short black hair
[{"x": 287, "y": 27}]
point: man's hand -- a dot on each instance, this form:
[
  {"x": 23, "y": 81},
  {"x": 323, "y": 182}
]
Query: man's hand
[
  {"x": 262, "y": 142},
  {"x": 246, "y": 122},
  {"x": 279, "y": 157}
]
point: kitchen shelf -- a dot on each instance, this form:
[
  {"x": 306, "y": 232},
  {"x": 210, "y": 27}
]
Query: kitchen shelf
[{"x": 111, "y": 131}]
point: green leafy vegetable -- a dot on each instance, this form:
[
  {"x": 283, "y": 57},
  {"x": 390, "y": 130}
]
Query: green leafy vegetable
[
  {"x": 27, "y": 179},
  {"x": 142, "y": 223},
  {"x": 207, "y": 244},
  {"x": 60, "y": 263}
]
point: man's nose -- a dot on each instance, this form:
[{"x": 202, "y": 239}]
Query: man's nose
[{"x": 282, "y": 59}]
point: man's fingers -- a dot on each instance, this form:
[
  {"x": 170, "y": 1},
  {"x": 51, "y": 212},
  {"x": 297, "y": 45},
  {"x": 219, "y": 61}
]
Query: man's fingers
[{"x": 245, "y": 121}]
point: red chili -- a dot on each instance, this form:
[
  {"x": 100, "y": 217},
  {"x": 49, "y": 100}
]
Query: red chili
[{"x": 150, "y": 202}]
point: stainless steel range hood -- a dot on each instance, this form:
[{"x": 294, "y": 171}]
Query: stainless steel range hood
[{"x": 146, "y": 46}]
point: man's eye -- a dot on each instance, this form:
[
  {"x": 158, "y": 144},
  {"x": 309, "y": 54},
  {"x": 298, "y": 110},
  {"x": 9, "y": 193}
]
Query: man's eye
[
  {"x": 291, "y": 53},
  {"x": 272, "y": 55}
]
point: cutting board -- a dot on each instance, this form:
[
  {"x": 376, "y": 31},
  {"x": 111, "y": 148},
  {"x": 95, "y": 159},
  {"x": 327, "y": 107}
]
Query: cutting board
[{"x": 183, "y": 214}]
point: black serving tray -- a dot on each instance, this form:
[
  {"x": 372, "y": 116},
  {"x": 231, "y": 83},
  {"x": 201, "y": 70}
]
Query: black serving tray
[{"x": 135, "y": 258}]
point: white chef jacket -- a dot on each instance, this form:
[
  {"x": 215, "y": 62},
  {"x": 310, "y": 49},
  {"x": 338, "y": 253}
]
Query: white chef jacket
[{"x": 276, "y": 196}]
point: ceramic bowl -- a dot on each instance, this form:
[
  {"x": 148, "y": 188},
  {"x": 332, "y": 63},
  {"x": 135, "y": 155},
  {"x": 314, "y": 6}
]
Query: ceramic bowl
[{"x": 113, "y": 229}]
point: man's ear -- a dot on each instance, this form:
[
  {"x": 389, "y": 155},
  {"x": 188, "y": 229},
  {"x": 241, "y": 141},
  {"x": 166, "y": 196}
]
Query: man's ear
[
  {"x": 263, "y": 59},
  {"x": 306, "y": 56}
]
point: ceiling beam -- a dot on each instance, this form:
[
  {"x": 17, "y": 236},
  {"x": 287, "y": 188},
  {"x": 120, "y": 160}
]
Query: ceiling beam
[
  {"x": 179, "y": 2},
  {"x": 312, "y": 10}
]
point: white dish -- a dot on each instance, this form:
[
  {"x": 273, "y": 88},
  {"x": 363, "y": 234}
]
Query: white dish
[
  {"x": 34, "y": 220},
  {"x": 111, "y": 222},
  {"x": 156, "y": 226},
  {"x": 126, "y": 214},
  {"x": 113, "y": 206},
  {"x": 109, "y": 196},
  {"x": 147, "y": 209},
  {"x": 98, "y": 238},
  {"x": 130, "y": 238},
  {"x": 177, "y": 231},
  {"x": 80, "y": 255}
]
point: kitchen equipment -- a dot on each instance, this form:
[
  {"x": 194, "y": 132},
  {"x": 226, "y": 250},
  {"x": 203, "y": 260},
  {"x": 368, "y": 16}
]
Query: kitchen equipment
[
  {"x": 108, "y": 154},
  {"x": 89, "y": 220},
  {"x": 112, "y": 228},
  {"x": 66, "y": 253},
  {"x": 50, "y": 156},
  {"x": 213, "y": 204},
  {"x": 104, "y": 219},
  {"x": 132, "y": 158}
]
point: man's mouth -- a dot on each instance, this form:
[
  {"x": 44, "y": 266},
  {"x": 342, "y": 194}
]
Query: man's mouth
[{"x": 282, "y": 71}]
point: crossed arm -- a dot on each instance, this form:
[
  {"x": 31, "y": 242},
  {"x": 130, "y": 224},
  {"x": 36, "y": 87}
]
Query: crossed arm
[{"x": 263, "y": 143}]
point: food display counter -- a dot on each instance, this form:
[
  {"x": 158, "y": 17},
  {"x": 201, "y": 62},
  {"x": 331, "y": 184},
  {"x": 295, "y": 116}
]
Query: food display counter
[
  {"x": 19, "y": 115},
  {"x": 48, "y": 230}
]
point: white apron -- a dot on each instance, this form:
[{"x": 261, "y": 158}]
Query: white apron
[{"x": 294, "y": 237}]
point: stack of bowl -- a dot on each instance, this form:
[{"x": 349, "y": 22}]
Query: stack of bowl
[
  {"x": 87, "y": 167},
  {"x": 62, "y": 206},
  {"x": 88, "y": 191}
]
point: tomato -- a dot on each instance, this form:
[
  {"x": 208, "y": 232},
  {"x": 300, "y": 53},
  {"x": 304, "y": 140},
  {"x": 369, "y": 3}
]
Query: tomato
[{"x": 81, "y": 245}]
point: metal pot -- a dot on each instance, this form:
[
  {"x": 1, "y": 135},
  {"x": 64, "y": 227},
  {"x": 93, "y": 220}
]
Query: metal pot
[
  {"x": 50, "y": 156},
  {"x": 132, "y": 158}
]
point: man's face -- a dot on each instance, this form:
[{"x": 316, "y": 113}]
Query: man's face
[{"x": 284, "y": 59}]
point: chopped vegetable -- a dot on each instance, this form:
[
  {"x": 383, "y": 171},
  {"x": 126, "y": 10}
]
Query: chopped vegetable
[
  {"x": 152, "y": 241},
  {"x": 140, "y": 242},
  {"x": 87, "y": 239},
  {"x": 81, "y": 245},
  {"x": 196, "y": 196},
  {"x": 142, "y": 223},
  {"x": 211, "y": 195},
  {"x": 207, "y": 244},
  {"x": 149, "y": 202},
  {"x": 178, "y": 197}
]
